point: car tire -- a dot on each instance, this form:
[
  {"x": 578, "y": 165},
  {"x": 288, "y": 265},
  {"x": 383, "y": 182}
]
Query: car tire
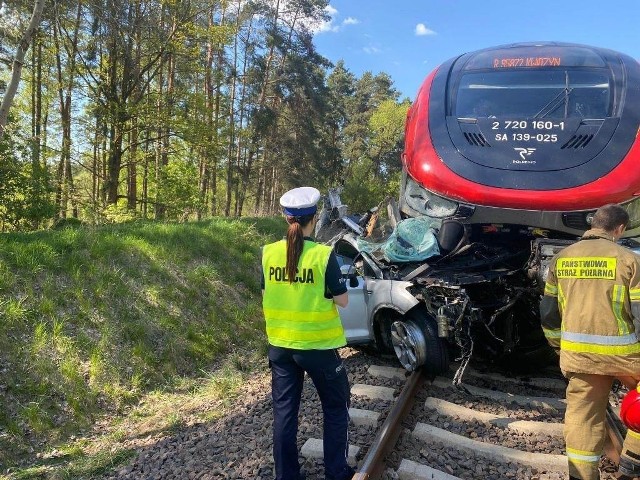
[{"x": 416, "y": 343}]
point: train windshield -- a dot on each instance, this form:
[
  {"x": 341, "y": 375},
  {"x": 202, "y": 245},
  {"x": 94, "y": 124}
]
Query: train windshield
[{"x": 525, "y": 93}]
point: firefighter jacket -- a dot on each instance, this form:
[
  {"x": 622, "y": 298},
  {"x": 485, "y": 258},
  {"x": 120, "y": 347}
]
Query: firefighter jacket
[
  {"x": 596, "y": 284},
  {"x": 297, "y": 313}
]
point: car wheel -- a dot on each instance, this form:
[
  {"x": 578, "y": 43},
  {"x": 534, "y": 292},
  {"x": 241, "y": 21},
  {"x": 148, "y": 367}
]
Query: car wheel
[{"x": 416, "y": 344}]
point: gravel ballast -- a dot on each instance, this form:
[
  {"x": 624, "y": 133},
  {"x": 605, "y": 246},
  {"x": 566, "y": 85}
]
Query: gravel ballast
[{"x": 238, "y": 445}]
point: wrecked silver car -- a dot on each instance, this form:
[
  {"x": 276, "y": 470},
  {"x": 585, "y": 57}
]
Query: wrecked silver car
[{"x": 430, "y": 288}]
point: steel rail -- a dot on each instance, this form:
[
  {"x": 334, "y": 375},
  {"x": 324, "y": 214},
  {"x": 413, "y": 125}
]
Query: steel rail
[{"x": 373, "y": 464}]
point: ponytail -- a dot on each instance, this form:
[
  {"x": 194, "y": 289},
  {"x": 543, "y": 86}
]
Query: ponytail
[{"x": 295, "y": 243}]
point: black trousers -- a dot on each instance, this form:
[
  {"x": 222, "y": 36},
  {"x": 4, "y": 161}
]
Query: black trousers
[{"x": 328, "y": 374}]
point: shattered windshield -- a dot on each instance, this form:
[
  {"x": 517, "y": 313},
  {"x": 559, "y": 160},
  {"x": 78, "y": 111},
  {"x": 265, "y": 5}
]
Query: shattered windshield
[{"x": 557, "y": 93}]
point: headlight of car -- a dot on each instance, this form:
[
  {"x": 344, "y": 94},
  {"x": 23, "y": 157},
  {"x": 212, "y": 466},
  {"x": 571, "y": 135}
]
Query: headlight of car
[{"x": 427, "y": 203}]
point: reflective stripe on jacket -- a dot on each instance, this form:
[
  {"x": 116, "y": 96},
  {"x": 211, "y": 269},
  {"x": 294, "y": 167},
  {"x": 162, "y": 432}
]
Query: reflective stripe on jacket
[
  {"x": 595, "y": 282},
  {"x": 297, "y": 314}
]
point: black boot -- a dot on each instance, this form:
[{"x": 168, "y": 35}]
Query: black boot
[{"x": 628, "y": 469}]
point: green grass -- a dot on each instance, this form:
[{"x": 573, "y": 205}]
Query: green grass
[{"x": 93, "y": 320}]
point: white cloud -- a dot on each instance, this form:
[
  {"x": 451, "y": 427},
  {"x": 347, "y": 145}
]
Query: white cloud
[
  {"x": 371, "y": 50},
  {"x": 421, "y": 30},
  {"x": 331, "y": 25},
  {"x": 290, "y": 12},
  {"x": 331, "y": 10},
  {"x": 327, "y": 26}
]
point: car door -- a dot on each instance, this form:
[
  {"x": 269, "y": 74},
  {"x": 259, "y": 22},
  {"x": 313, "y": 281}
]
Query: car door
[{"x": 355, "y": 316}]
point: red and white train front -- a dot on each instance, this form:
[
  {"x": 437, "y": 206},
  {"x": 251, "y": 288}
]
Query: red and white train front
[{"x": 538, "y": 134}]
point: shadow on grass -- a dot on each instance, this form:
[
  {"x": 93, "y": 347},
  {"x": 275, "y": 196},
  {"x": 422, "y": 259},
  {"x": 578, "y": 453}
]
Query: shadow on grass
[
  {"x": 73, "y": 466},
  {"x": 91, "y": 319}
]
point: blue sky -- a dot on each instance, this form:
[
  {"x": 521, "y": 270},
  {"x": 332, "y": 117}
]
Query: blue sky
[{"x": 409, "y": 38}]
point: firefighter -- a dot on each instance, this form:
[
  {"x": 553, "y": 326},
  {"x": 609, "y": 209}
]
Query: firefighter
[
  {"x": 591, "y": 302},
  {"x": 302, "y": 285}
]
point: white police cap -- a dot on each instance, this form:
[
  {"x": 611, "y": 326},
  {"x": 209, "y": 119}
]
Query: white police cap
[{"x": 300, "y": 201}]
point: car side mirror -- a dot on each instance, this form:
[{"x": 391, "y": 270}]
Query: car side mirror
[{"x": 349, "y": 271}]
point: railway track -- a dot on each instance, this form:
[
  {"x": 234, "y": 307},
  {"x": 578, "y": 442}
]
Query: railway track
[
  {"x": 448, "y": 433},
  {"x": 492, "y": 426}
]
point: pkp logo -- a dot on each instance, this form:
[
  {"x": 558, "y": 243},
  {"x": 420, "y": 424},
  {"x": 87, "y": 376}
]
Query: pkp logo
[{"x": 524, "y": 152}]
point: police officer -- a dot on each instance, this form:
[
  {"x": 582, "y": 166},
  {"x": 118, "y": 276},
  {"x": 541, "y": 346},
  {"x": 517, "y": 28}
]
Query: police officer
[
  {"x": 302, "y": 286},
  {"x": 591, "y": 301}
]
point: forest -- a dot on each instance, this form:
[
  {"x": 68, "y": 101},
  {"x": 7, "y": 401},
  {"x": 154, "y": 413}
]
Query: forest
[
  {"x": 183, "y": 110},
  {"x": 172, "y": 126}
]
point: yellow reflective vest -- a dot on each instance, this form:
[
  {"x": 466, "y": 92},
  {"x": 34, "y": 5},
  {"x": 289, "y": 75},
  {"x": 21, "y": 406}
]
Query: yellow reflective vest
[
  {"x": 596, "y": 282},
  {"x": 297, "y": 314}
]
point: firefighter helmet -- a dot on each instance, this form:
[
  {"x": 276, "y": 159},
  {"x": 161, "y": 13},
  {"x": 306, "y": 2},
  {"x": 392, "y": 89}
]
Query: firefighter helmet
[{"x": 630, "y": 409}]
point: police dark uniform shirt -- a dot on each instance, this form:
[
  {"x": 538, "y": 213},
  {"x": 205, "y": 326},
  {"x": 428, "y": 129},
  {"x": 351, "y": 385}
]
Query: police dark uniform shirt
[{"x": 334, "y": 281}]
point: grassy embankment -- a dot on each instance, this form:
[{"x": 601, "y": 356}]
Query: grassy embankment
[{"x": 121, "y": 326}]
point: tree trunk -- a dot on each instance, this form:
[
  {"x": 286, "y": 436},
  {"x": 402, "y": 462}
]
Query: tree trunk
[
  {"x": 216, "y": 120},
  {"x": 64, "y": 187},
  {"x": 103, "y": 168},
  {"x": 132, "y": 173},
  {"x": 114, "y": 108},
  {"x": 164, "y": 115},
  {"x": 207, "y": 87},
  {"x": 232, "y": 120},
  {"x": 243, "y": 182},
  {"x": 36, "y": 104},
  {"x": 18, "y": 60},
  {"x": 230, "y": 159},
  {"x": 145, "y": 176},
  {"x": 114, "y": 162},
  {"x": 205, "y": 162}
]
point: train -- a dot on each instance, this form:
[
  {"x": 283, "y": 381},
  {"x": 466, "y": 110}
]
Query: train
[
  {"x": 508, "y": 153},
  {"x": 540, "y": 134}
]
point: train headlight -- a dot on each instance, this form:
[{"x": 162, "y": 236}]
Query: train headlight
[
  {"x": 428, "y": 203},
  {"x": 589, "y": 217},
  {"x": 581, "y": 220}
]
